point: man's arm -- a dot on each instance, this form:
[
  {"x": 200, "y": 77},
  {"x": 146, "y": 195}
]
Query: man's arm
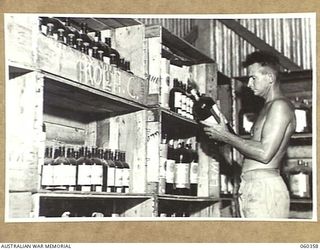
[{"x": 278, "y": 118}]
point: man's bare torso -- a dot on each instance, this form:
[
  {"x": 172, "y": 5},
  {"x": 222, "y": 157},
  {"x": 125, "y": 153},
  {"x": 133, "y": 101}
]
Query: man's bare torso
[{"x": 256, "y": 133}]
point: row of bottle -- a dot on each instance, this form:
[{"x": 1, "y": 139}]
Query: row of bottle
[
  {"x": 85, "y": 170},
  {"x": 299, "y": 180},
  {"x": 90, "y": 43},
  {"x": 303, "y": 114},
  {"x": 180, "y": 99},
  {"x": 178, "y": 167}
]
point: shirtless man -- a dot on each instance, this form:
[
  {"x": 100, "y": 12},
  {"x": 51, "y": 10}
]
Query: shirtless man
[{"x": 262, "y": 193}]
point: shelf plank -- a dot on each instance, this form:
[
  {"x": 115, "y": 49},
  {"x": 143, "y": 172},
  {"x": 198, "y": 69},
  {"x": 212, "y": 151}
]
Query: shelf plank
[
  {"x": 187, "y": 198},
  {"x": 86, "y": 195},
  {"x": 177, "y": 126},
  {"x": 63, "y": 93},
  {"x": 303, "y": 201}
]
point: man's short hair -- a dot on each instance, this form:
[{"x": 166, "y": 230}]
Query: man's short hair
[{"x": 265, "y": 58}]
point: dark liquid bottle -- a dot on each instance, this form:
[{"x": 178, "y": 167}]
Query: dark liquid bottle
[
  {"x": 182, "y": 170},
  {"x": 170, "y": 165},
  {"x": 64, "y": 174},
  {"x": 47, "y": 177},
  {"x": 194, "y": 170},
  {"x": 205, "y": 109},
  {"x": 175, "y": 96},
  {"x": 84, "y": 170},
  {"x": 114, "y": 54},
  {"x": 118, "y": 172},
  {"x": 111, "y": 171},
  {"x": 97, "y": 171},
  {"x": 125, "y": 174}
]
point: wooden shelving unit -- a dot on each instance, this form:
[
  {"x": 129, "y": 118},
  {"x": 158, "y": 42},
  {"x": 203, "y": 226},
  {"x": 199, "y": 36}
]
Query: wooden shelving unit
[{"x": 49, "y": 84}]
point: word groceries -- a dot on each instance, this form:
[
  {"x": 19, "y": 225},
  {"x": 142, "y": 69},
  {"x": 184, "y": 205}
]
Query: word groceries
[{"x": 35, "y": 245}]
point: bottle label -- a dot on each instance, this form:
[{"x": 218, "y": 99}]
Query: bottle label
[
  {"x": 126, "y": 177},
  {"x": 301, "y": 118},
  {"x": 299, "y": 185},
  {"x": 211, "y": 120},
  {"x": 194, "y": 172},
  {"x": 84, "y": 174},
  {"x": 118, "y": 177},
  {"x": 170, "y": 171},
  {"x": 182, "y": 175},
  {"x": 65, "y": 175},
  {"x": 177, "y": 99},
  {"x": 223, "y": 184},
  {"x": 97, "y": 174},
  {"x": 47, "y": 178},
  {"x": 183, "y": 102},
  {"x": 111, "y": 177}
]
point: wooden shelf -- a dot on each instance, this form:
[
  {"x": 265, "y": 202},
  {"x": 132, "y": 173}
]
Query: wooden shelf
[
  {"x": 178, "y": 51},
  {"x": 169, "y": 197},
  {"x": 66, "y": 94},
  {"x": 301, "y": 201},
  {"x": 177, "y": 126},
  {"x": 88, "y": 195}
]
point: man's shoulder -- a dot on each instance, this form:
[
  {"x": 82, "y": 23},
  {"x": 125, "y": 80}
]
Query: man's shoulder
[{"x": 282, "y": 105}]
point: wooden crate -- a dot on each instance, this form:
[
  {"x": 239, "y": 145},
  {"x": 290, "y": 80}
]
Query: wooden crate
[
  {"x": 25, "y": 139},
  {"x": 36, "y": 51}
]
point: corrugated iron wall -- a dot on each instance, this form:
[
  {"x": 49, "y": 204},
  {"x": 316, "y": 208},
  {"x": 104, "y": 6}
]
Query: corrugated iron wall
[
  {"x": 179, "y": 27},
  {"x": 290, "y": 36}
]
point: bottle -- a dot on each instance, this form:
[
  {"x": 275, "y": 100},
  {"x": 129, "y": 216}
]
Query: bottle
[
  {"x": 84, "y": 170},
  {"x": 105, "y": 166},
  {"x": 73, "y": 166},
  {"x": 194, "y": 170},
  {"x": 127, "y": 67},
  {"x": 54, "y": 28},
  {"x": 114, "y": 54},
  {"x": 182, "y": 170},
  {"x": 87, "y": 41},
  {"x": 175, "y": 96},
  {"x": 163, "y": 148},
  {"x": 125, "y": 174},
  {"x": 170, "y": 163},
  {"x": 183, "y": 110},
  {"x": 64, "y": 174},
  {"x": 47, "y": 175},
  {"x": 102, "y": 49},
  {"x": 118, "y": 172},
  {"x": 97, "y": 171},
  {"x": 301, "y": 113},
  {"x": 121, "y": 64},
  {"x": 299, "y": 180},
  {"x": 205, "y": 109},
  {"x": 111, "y": 171}
]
